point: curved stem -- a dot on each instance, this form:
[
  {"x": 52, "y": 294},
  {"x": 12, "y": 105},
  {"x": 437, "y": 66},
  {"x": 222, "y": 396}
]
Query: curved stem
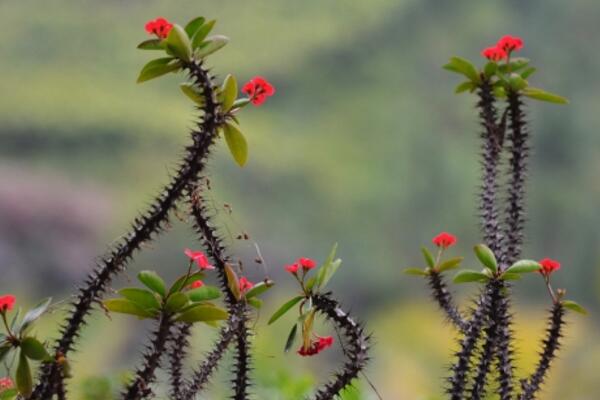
[
  {"x": 145, "y": 227},
  {"x": 443, "y": 297},
  {"x": 140, "y": 387},
  {"x": 531, "y": 385},
  {"x": 357, "y": 347}
]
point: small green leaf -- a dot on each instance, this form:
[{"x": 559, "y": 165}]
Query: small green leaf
[
  {"x": 151, "y": 44},
  {"x": 416, "y": 271},
  {"x": 124, "y": 306},
  {"x": 9, "y": 394},
  {"x": 153, "y": 282},
  {"x": 539, "y": 94},
  {"x": 176, "y": 302},
  {"x": 511, "y": 276},
  {"x": 158, "y": 67},
  {"x": 499, "y": 92},
  {"x": 486, "y": 256},
  {"x": 142, "y": 297},
  {"x": 237, "y": 143},
  {"x": 289, "y": 343},
  {"x": 490, "y": 69},
  {"x": 285, "y": 308},
  {"x": 185, "y": 280},
  {"x": 202, "y": 33},
  {"x": 260, "y": 288},
  {"x": 24, "y": 379},
  {"x": 310, "y": 283},
  {"x": 573, "y": 306},
  {"x": 190, "y": 91},
  {"x": 192, "y": 27},
  {"x": 463, "y": 87},
  {"x": 34, "y": 349},
  {"x": 470, "y": 276},
  {"x": 36, "y": 312},
  {"x": 228, "y": 93},
  {"x": 255, "y": 302},
  {"x": 211, "y": 45},
  {"x": 515, "y": 64},
  {"x": 329, "y": 267},
  {"x": 178, "y": 43},
  {"x": 527, "y": 72},
  {"x": 204, "y": 293},
  {"x": 233, "y": 282},
  {"x": 452, "y": 263},
  {"x": 524, "y": 266},
  {"x": 464, "y": 67},
  {"x": 5, "y": 348},
  {"x": 428, "y": 257},
  {"x": 202, "y": 313},
  {"x": 241, "y": 102},
  {"x": 516, "y": 82}
]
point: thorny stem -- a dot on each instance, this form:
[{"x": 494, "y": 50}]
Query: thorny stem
[
  {"x": 442, "y": 296},
  {"x": 177, "y": 354}
]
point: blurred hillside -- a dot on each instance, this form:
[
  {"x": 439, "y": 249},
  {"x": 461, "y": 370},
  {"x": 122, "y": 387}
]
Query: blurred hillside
[{"x": 364, "y": 143}]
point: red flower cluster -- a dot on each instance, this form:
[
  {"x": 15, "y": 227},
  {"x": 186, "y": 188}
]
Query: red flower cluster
[
  {"x": 444, "y": 240},
  {"x": 549, "y": 266},
  {"x": 200, "y": 259},
  {"x": 159, "y": 27},
  {"x": 197, "y": 284},
  {"x": 7, "y": 302},
  {"x": 316, "y": 346},
  {"x": 245, "y": 284},
  {"x": 305, "y": 263},
  {"x": 6, "y": 383},
  {"x": 506, "y": 45},
  {"x": 258, "y": 89}
]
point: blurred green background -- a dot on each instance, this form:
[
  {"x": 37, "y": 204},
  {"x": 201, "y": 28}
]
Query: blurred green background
[{"x": 364, "y": 144}]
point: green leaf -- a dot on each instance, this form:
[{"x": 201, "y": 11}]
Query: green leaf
[
  {"x": 151, "y": 44},
  {"x": 233, "y": 282},
  {"x": 202, "y": 313},
  {"x": 499, "y": 92},
  {"x": 202, "y": 33},
  {"x": 329, "y": 267},
  {"x": 178, "y": 43},
  {"x": 36, "y": 312},
  {"x": 190, "y": 91},
  {"x": 228, "y": 93},
  {"x": 464, "y": 67},
  {"x": 470, "y": 276},
  {"x": 256, "y": 303},
  {"x": 486, "y": 256},
  {"x": 34, "y": 349},
  {"x": 158, "y": 67},
  {"x": 192, "y": 27},
  {"x": 260, "y": 288},
  {"x": 573, "y": 306},
  {"x": 236, "y": 143},
  {"x": 124, "y": 306},
  {"x": 539, "y": 94},
  {"x": 524, "y": 266},
  {"x": 204, "y": 293},
  {"x": 24, "y": 379},
  {"x": 428, "y": 257},
  {"x": 211, "y": 45},
  {"x": 490, "y": 69},
  {"x": 241, "y": 102},
  {"x": 142, "y": 297},
  {"x": 285, "y": 308},
  {"x": 9, "y": 394},
  {"x": 153, "y": 282},
  {"x": 185, "y": 280},
  {"x": 527, "y": 72},
  {"x": 289, "y": 343},
  {"x": 516, "y": 82},
  {"x": 176, "y": 301},
  {"x": 515, "y": 64},
  {"x": 511, "y": 276},
  {"x": 5, "y": 348},
  {"x": 463, "y": 87},
  {"x": 310, "y": 283},
  {"x": 416, "y": 271},
  {"x": 450, "y": 264}
]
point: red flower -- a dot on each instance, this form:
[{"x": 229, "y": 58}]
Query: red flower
[
  {"x": 199, "y": 258},
  {"x": 444, "y": 240},
  {"x": 494, "y": 53},
  {"x": 197, "y": 284},
  {"x": 306, "y": 263},
  {"x": 7, "y": 302},
  {"x": 159, "y": 27},
  {"x": 245, "y": 284},
  {"x": 292, "y": 269},
  {"x": 510, "y": 43},
  {"x": 316, "y": 346},
  {"x": 6, "y": 383},
  {"x": 549, "y": 266},
  {"x": 258, "y": 89}
]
